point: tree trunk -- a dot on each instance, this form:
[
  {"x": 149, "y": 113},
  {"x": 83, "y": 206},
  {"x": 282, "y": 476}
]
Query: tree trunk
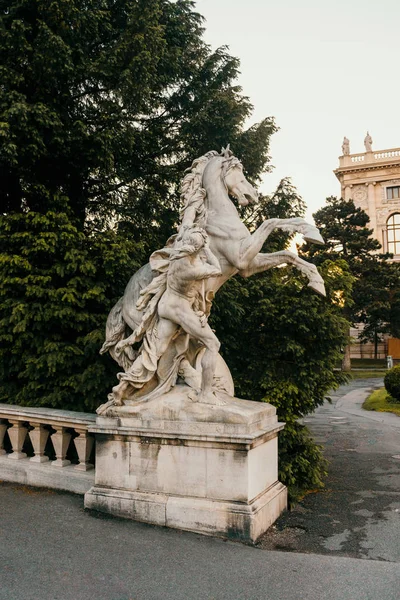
[
  {"x": 346, "y": 362},
  {"x": 375, "y": 345}
]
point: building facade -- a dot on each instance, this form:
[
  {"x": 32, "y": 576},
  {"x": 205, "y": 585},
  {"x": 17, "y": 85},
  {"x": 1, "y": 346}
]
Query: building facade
[{"x": 372, "y": 180}]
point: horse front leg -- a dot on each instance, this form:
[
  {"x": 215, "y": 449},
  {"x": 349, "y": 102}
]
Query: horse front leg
[
  {"x": 251, "y": 246},
  {"x": 263, "y": 262}
]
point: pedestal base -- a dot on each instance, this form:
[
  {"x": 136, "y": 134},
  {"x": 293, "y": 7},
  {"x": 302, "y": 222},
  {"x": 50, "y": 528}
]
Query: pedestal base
[
  {"x": 232, "y": 520},
  {"x": 217, "y": 476}
]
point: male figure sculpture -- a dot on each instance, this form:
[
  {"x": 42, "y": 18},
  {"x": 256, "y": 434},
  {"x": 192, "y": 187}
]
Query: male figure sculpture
[
  {"x": 346, "y": 146},
  {"x": 183, "y": 304}
]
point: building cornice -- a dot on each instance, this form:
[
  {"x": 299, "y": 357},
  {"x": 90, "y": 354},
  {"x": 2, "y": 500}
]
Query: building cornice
[
  {"x": 378, "y": 160},
  {"x": 365, "y": 167}
]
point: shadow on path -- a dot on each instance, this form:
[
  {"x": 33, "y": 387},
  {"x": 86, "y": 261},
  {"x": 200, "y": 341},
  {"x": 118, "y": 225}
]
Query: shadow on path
[{"x": 358, "y": 512}]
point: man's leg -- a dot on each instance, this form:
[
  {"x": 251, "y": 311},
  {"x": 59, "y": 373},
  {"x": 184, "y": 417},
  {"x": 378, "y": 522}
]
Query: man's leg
[
  {"x": 190, "y": 322},
  {"x": 208, "y": 363}
]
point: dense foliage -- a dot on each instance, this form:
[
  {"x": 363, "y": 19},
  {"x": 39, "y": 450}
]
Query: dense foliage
[
  {"x": 107, "y": 102},
  {"x": 282, "y": 342},
  {"x": 392, "y": 383},
  {"x": 103, "y": 104},
  {"x": 102, "y": 107},
  {"x": 57, "y": 285},
  {"x": 375, "y": 300}
]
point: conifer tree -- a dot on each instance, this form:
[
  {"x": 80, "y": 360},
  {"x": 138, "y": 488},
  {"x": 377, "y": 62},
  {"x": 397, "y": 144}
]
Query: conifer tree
[
  {"x": 282, "y": 341},
  {"x": 375, "y": 300},
  {"x": 103, "y": 105},
  {"x": 106, "y": 103}
]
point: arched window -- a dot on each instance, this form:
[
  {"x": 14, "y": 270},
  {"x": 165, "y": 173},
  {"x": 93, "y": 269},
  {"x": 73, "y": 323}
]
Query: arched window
[{"x": 393, "y": 233}]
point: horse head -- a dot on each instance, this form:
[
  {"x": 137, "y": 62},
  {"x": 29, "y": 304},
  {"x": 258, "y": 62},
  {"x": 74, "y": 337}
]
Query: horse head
[
  {"x": 228, "y": 169},
  {"x": 236, "y": 183}
]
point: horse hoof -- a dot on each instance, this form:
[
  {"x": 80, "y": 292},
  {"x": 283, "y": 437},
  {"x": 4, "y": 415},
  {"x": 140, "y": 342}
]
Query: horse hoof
[
  {"x": 313, "y": 236},
  {"x": 318, "y": 286}
]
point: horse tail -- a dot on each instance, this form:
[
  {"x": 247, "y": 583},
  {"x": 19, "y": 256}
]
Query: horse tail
[
  {"x": 115, "y": 329},
  {"x": 124, "y": 318}
]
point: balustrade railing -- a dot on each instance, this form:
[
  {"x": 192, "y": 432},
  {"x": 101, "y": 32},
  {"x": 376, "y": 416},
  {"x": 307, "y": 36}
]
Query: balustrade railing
[
  {"x": 358, "y": 158},
  {"x": 370, "y": 157},
  {"x": 45, "y": 435},
  {"x": 384, "y": 154}
]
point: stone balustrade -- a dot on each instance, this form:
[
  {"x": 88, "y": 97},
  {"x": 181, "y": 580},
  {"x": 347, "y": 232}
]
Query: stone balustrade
[
  {"x": 384, "y": 154},
  {"x": 358, "y": 158},
  {"x": 391, "y": 154},
  {"x": 35, "y": 443}
]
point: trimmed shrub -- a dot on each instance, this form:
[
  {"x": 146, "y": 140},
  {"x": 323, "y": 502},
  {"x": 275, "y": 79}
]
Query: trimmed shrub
[{"x": 392, "y": 383}]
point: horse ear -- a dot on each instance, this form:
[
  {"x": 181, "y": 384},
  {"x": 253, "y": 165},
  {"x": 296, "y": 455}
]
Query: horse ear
[{"x": 226, "y": 152}]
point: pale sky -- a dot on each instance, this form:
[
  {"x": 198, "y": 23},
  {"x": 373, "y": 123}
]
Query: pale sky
[{"x": 323, "y": 69}]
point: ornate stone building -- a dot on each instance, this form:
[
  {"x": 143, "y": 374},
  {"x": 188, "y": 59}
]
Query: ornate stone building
[{"x": 372, "y": 180}]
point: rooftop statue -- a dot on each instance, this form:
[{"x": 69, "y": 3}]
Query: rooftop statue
[
  {"x": 158, "y": 332},
  {"x": 346, "y": 146},
  {"x": 368, "y": 143}
]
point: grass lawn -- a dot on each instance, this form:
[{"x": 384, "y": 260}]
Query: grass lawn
[
  {"x": 368, "y": 363},
  {"x": 367, "y": 374},
  {"x": 378, "y": 401}
]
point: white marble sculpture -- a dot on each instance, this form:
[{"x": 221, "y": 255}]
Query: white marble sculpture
[
  {"x": 158, "y": 332},
  {"x": 368, "y": 143},
  {"x": 346, "y": 146}
]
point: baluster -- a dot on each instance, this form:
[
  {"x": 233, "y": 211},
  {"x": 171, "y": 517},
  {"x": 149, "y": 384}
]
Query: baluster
[
  {"x": 60, "y": 439},
  {"x": 3, "y": 429},
  {"x": 83, "y": 445},
  {"x": 17, "y": 434},
  {"x": 39, "y": 437}
]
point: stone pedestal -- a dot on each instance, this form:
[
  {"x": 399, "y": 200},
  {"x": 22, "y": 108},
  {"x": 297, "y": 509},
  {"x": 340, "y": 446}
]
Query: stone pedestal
[{"x": 208, "y": 469}]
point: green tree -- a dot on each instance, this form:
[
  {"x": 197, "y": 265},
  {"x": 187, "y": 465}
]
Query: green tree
[
  {"x": 107, "y": 103},
  {"x": 377, "y": 298},
  {"x": 344, "y": 229},
  {"x": 57, "y": 285},
  {"x": 376, "y": 290},
  {"x": 102, "y": 106},
  {"x": 282, "y": 342}
]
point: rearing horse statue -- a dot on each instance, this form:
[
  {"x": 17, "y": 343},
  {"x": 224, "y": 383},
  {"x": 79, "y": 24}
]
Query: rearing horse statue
[{"x": 205, "y": 192}]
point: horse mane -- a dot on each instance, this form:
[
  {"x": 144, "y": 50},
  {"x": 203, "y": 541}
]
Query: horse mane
[
  {"x": 192, "y": 194},
  {"x": 229, "y": 163}
]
